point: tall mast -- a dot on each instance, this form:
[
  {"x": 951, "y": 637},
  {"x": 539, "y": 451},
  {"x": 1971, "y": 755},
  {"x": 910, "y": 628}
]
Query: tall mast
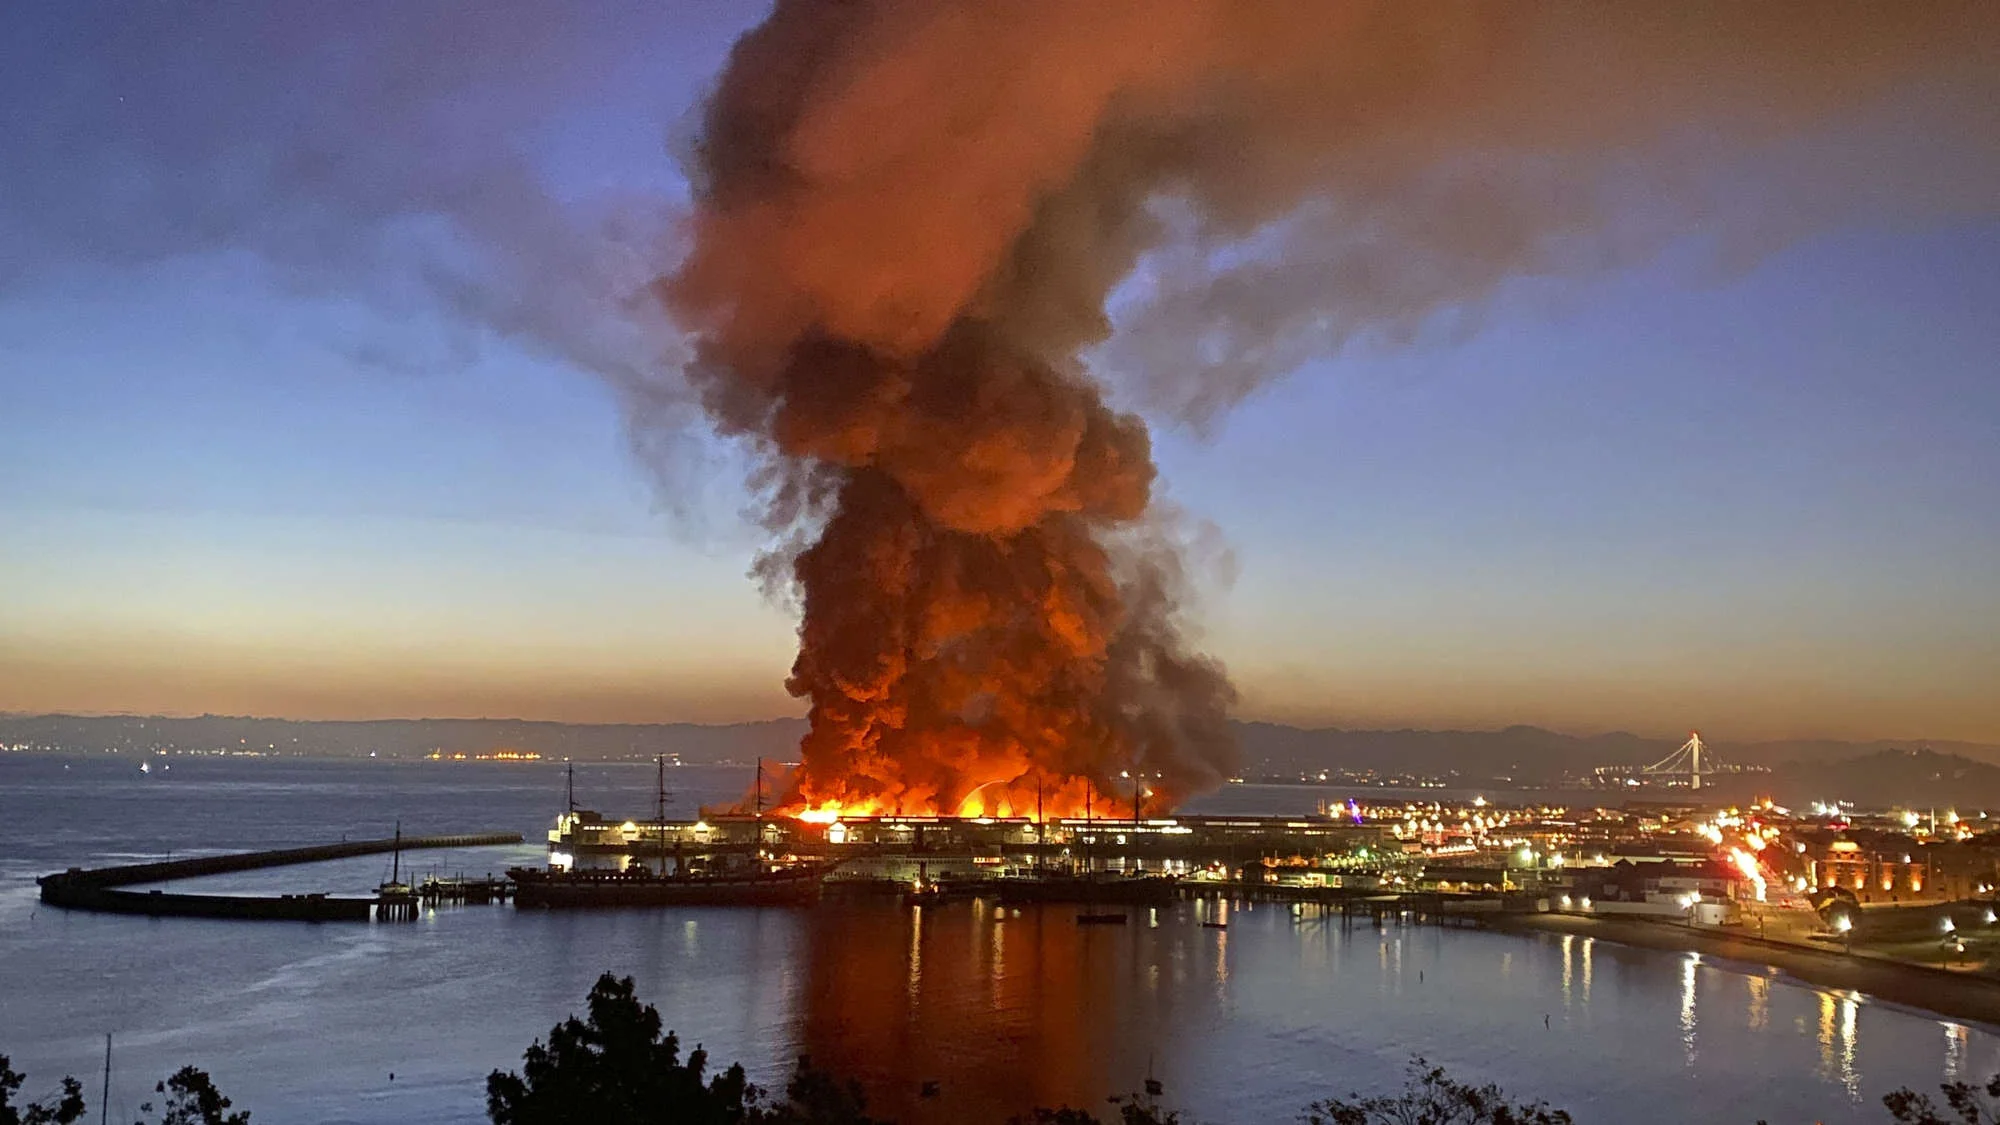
[
  {"x": 104, "y": 1104},
  {"x": 396, "y": 864},
  {"x": 757, "y": 810},
  {"x": 1041, "y": 824},
  {"x": 570, "y": 788},
  {"x": 1089, "y": 790},
  {"x": 660, "y": 824}
]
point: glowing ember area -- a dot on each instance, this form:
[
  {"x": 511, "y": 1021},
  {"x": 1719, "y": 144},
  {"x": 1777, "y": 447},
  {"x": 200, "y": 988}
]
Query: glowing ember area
[{"x": 1018, "y": 797}]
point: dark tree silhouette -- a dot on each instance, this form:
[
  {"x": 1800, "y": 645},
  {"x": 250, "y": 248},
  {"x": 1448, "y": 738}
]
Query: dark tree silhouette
[
  {"x": 1135, "y": 1109},
  {"x": 192, "y": 1099},
  {"x": 814, "y": 1097},
  {"x": 615, "y": 1067},
  {"x": 1964, "y": 1104},
  {"x": 1429, "y": 1097},
  {"x": 66, "y": 1109}
]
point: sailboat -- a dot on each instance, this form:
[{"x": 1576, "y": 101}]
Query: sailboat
[{"x": 396, "y": 900}]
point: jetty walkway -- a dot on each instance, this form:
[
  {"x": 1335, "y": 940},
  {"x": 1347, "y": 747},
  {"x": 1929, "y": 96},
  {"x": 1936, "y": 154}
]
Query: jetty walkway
[{"x": 101, "y": 889}]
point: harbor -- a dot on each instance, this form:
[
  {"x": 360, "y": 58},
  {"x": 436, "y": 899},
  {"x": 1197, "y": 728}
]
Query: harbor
[{"x": 1268, "y": 978}]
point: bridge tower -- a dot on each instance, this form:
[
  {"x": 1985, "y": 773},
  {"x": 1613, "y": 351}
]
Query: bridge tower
[{"x": 1684, "y": 762}]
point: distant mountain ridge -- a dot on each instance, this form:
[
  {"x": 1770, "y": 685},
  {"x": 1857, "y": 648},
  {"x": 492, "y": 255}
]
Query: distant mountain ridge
[
  {"x": 1534, "y": 753},
  {"x": 406, "y": 738},
  {"x": 1915, "y": 779}
]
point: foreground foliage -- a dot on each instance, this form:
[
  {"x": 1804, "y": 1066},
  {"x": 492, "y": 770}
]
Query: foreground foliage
[
  {"x": 1964, "y": 1104},
  {"x": 67, "y": 1107},
  {"x": 1430, "y": 1097},
  {"x": 189, "y": 1097},
  {"x": 192, "y": 1099},
  {"x": 615, "y": 1067}
]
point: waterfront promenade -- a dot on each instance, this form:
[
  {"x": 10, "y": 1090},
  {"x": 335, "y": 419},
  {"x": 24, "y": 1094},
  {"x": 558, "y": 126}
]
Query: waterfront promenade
[{"x": 1959, "y": 995}]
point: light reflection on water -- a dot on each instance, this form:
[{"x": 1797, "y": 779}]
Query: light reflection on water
[
  {"x": 1690, "y": 963},
  {"x": 999, "y": 1007}
]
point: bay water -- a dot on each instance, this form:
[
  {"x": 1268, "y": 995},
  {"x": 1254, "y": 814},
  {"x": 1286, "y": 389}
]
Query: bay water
[{"x": 1002, "y": 1010}]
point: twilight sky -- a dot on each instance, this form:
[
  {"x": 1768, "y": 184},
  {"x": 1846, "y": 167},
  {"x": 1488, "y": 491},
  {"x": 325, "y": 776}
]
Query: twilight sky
[{"x": 314, "y": 377}]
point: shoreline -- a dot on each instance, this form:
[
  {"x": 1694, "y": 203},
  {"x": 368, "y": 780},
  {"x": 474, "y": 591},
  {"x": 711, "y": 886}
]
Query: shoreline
[{"x": 1940, "y": 992}]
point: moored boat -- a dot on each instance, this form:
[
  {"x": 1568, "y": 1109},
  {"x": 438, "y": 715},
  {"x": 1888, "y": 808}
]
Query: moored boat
[{"x": 777, "y": 885}]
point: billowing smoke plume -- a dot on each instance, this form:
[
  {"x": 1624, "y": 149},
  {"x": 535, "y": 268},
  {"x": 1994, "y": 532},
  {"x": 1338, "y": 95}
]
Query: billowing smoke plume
[{"x": 911, "y": 217}]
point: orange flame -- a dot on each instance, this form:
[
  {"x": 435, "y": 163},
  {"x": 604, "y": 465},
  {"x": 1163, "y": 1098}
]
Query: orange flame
[{"x": 1002, "y": 798}]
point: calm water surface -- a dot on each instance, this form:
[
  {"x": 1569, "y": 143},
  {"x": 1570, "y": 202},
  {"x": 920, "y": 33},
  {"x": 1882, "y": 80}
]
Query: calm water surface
[{"x": 304, "y": 1023}]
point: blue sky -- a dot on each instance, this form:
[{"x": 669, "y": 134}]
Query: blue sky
[{"x": 1761, "y": 502}]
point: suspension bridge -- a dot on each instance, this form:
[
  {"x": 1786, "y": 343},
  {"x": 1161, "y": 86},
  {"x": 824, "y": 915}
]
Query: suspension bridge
[{"x": 1686, "y": 766}]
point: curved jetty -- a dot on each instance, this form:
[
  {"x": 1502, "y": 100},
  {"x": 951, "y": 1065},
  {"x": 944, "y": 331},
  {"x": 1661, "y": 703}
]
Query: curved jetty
[{"x": 99, "y": 888}]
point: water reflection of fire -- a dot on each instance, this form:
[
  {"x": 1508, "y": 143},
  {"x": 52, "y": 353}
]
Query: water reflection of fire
[{"x": 996, "y": 1011}]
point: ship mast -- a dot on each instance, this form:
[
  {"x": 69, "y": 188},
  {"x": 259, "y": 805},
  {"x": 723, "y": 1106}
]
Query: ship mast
[
  {"x": 1089, "y": 790},
  {"x": 1041, "y": 824},
  {"x": 660, "y": 820},
  {"x": 757, "y": 811}
]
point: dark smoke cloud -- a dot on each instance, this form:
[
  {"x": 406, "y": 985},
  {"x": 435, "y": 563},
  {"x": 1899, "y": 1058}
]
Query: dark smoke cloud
[
  {"x": 911, "y": 218},
  {"x": 1388, "y": 160}
]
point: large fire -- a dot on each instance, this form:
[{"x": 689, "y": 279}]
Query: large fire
[
  {"x": 1017, "y": 797},
  {"x": 990, "y": 598}
]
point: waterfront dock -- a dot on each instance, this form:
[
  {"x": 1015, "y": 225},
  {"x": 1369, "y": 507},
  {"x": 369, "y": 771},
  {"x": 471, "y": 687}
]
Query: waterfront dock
[{"x": 103, "y": 889}]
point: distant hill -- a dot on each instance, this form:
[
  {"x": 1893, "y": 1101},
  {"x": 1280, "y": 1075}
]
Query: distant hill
[
  {"x": 407, "y": 738},
  {"x": 1909, "y": 778},
  {"x": 1520, "y": 754},
  {"x": 1529, "y": 755},
  {"x": 1946, "y": 773}
]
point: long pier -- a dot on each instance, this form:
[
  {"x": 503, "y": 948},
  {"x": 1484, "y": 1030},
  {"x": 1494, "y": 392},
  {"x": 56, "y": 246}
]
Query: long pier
[{"x": 99, "y": 889}]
